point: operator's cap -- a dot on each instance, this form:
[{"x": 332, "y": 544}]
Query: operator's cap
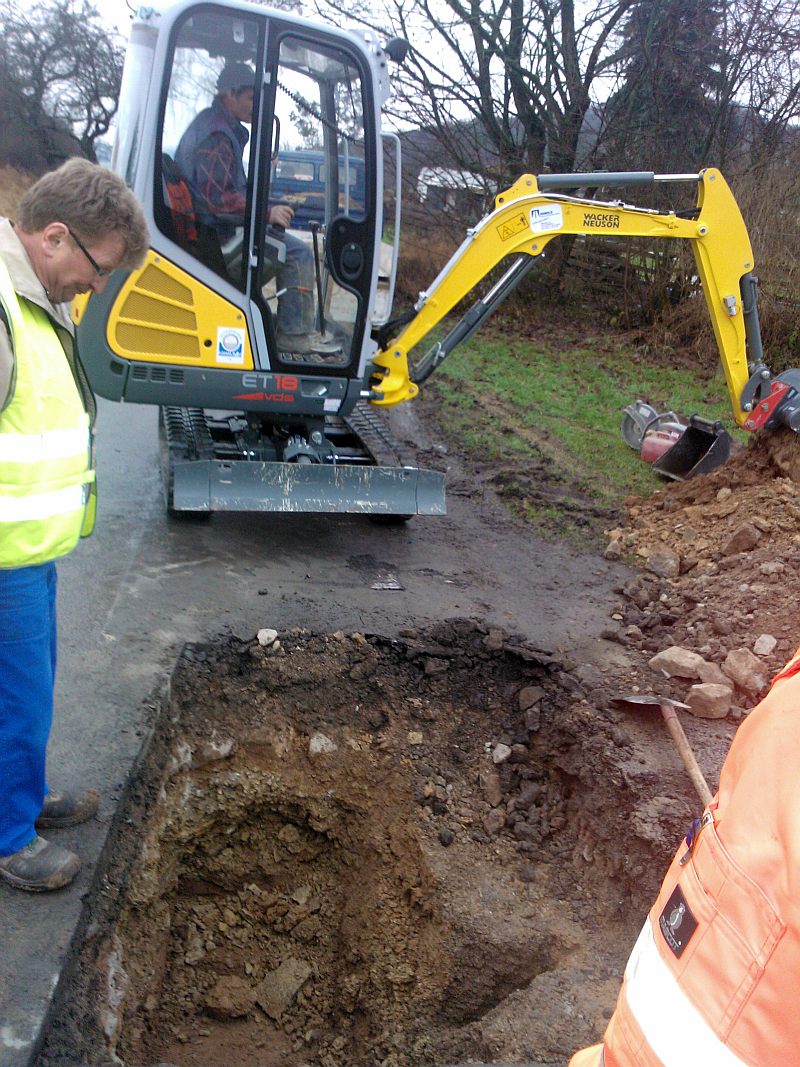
[{"x": 235, "y": 76}]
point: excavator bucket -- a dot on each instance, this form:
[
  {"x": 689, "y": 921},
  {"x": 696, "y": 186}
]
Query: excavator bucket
[{"x": 702, "y": 446}]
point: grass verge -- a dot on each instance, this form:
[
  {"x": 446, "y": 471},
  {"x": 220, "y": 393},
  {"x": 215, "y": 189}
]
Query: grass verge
[{"x": 544, "y": 421}]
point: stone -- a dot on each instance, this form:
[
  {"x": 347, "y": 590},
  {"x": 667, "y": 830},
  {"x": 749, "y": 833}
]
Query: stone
[
  {"x": 746, "y": 670},
  {"x": 279, "y": 988},
  {"x": 319, "y": 743},
  {"x": 446, "y": 838},
  {"x": 613, "y": 550},
  {"x": 772, "y": 567},
  {"x": 712, "y": 674},
  {"x": 495, "y": 640},
  {"x": 529, "y": 696},
  {"x": 230, "y": 998},
  {"x": 744, "y": 539},
  {"x": 677, "y": 662},
  {"x": 533, "y": 718},
  {"x": 415, "y": 737},
  {"x": 590, "y": 676},
  {"x": 212, "y": 750},
  {"x": 500, "y": 753},
  {"x": 528, "y": 796},
  {"x": 709, "y": 701},
  {"x": 664, "y": 562},
  {"x": 267, "y": 637},
  {"x": 489, "y": 781},
  {"x": 765, "y": 644},
  {"x": 494, "y": 821}
]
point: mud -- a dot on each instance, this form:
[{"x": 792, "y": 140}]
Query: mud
[{"x": 349, "y": 849}]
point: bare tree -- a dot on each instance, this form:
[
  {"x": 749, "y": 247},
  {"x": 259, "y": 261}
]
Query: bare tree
[
  {"x": 60, "y": 68},
  {"x": 503, "y": 86}
]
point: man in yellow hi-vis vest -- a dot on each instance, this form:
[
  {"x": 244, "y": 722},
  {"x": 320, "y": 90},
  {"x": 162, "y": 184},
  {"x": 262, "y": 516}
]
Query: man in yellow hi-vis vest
[{"x": 75, "y": 226}]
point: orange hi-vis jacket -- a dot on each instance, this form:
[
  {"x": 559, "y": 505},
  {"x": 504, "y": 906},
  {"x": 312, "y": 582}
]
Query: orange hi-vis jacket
[{"x": 713, "y": 978}]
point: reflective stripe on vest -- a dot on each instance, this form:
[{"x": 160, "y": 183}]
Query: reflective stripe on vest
[
  {"x": 673, "y": 1027},
  {"x": 46, "y": 480}
]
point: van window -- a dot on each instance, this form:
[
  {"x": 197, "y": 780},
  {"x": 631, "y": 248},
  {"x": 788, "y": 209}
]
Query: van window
[{"x": 294, "y": 170}]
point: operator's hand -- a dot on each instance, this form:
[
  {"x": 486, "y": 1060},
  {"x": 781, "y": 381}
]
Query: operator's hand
[{"x": 281, "y": 215}]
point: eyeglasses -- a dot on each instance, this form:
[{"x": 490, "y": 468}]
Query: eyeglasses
[{"x": 101, "y": 272}]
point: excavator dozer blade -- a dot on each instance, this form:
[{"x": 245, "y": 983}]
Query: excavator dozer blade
[
  {"x": 238, "y": 485},
  {"x": 702, "y": 446}
]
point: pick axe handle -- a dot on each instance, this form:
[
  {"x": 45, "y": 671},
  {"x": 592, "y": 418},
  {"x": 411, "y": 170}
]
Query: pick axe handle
[{"x": 686, "y": 754}]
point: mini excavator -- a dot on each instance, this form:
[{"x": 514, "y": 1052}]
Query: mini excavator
[{"x": 246, "y": 425}]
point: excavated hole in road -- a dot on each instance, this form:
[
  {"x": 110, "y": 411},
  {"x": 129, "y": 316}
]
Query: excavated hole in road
[{"x": 320, "y": 861}]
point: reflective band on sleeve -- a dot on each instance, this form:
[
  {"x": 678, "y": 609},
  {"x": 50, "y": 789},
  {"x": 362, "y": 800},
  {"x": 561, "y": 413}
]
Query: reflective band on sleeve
[
  {"x": 43, "y": 505},
  {"x": 673, "y": 1027},
  {"x": 34, "y": 447}
]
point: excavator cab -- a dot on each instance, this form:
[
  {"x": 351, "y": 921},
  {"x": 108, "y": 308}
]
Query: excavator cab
[{"x": 255, "y": 416}]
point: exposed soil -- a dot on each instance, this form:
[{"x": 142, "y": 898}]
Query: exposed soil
[{"x": 350, "y": 849}]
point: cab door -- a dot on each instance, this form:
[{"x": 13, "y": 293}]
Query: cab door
[{"x": 315, "y": 102}]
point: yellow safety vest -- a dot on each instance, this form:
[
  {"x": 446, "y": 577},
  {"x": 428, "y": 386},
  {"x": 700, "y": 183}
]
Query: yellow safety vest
[{"x": 47, "y": 498}]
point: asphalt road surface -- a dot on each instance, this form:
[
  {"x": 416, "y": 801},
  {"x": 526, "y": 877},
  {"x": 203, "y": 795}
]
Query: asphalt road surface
[{"x": 143, "y": 585}]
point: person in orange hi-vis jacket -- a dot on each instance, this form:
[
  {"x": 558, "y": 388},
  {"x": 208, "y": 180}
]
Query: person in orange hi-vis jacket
[{"x": 713, "y": 977}]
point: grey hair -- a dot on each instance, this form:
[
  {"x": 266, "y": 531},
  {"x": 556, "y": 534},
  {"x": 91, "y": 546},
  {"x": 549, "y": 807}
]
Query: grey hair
[{"x": 91, "y": 200}]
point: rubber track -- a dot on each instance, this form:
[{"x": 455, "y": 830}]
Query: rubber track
[
  {"x": 371, "y": 429},
  {"x": 187, "y": 434}
]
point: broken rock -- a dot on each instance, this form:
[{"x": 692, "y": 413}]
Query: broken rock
[
  {"x": 281, "y": 986},
  {"x": 489, "y": 781},
  {"x": 664, "y": 562},
  {"x": 529, "y": 696},
  {"x": 744, "y": 539},
  {"x": 711, "y": 674},
  {"x": 677, "y": 662},
  {"x": 746, "y": 670},
  {"x": 500, "y": 753},
  {"x": 709, "y": 701},
  {"x": 319, "y": 743},
  {"x": 765, "y": 645},
  {"x": 230, "y": 998},
  {"x": 494, "y": 821}
]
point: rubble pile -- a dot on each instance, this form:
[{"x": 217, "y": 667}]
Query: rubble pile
[{"x": 713, "y": 611}]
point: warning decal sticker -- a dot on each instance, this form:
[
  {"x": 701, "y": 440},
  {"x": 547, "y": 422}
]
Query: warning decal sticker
[{"x": 511, "y": 227}]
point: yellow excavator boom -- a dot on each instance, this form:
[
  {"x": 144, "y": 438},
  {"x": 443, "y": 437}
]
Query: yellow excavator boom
[{"x": 530, "y": 214}]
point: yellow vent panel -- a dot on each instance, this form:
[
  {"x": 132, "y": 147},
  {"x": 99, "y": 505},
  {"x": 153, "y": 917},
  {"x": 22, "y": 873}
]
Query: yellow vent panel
[
  {"x": 157, "y": 280},
  {"x": 147, "y": 309},
  {"x": 158, "y": 346},
  {"x": 164, "y": 315}
]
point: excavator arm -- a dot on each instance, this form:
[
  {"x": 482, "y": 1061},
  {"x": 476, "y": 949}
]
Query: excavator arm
[{"x": 534, "y": 211}]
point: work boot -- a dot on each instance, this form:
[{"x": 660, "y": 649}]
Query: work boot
[
  {"x": 39, "y": 866},
  {"x": 308, "y": 343},
  {"x": 67, "y": 809}
]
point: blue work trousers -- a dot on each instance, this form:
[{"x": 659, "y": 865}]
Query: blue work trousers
[
  {"x": 296, "y": 284},
  {"x": 27, "y": 678}
]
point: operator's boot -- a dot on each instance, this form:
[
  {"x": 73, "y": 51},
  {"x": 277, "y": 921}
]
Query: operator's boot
[
  {"x": 68, "y": 809},
  {"x": 313, "y": 343},
  {"x": 39, "y": 866}
]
